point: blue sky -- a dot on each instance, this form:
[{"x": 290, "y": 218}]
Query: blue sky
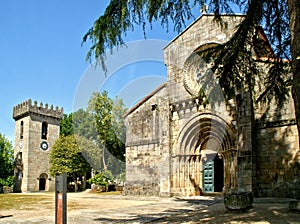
[{"x": 42, "y": 57}]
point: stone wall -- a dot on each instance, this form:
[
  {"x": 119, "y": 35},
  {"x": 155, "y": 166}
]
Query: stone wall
[
  {"x": 35, "y": 160},
  {"x": 143, "y": 145},
  {"x": 38, "y": 159},
  {"x": 204, "y": 30},
  {"x": 276, "y": 142},
  {"x": 277, "y": 145}
]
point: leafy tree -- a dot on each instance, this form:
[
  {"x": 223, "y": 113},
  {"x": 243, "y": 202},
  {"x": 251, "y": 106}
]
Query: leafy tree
[
  {"x": 80, "y": 122},
  {"x": 279, "y": 19},
  {"x": 110, "y": 128},
  {"x": 66, "y": 157},
  {"x": 66, "y": 125},
  {"x": 6, "y": 161},
  {"x": 99, "y": 131},
  {"x": 91, "y": 151},
  {"x": 84, "y": 124},
  {"x": 118, "y": 111}
]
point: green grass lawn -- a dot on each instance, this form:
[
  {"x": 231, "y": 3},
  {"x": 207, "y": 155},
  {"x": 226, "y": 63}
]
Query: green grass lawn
[
  {"x": 26, "y": 201},
  {"x": 36, "y": 200}
]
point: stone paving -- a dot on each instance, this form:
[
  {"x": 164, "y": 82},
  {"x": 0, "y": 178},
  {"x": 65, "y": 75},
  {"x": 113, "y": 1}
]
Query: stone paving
[
  {"x": 152, "y": 212},
  {"x": 95, "y": 208}
]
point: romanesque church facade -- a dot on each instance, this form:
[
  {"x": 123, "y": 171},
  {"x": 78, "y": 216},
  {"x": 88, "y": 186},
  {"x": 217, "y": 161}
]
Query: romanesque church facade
[{"x": 177, "y": 146}]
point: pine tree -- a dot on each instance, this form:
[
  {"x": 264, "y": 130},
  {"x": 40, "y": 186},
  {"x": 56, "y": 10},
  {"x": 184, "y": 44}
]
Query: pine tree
[{"x": 280, "y": 22}]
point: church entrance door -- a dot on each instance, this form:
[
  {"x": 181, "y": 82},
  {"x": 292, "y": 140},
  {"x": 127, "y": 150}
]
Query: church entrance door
[
  {"x": 208, "y": 176},
  {"x": 213, "y": 175}
]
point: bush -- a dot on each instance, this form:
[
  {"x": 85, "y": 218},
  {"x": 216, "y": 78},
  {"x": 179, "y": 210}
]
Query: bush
[
  {"x": 121, "y": 178},
  {"x": 102, "y": 178},
  {"x": 8, "y": 181}
]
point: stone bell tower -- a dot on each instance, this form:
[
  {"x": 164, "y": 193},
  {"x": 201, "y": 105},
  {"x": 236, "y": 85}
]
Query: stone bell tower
[{"x": 36, "y": 129}]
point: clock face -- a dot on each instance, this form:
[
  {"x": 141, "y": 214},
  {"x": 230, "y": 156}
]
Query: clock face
[
  {"x": 44, "y": 145},
  {"x": 196, "y": 76}
]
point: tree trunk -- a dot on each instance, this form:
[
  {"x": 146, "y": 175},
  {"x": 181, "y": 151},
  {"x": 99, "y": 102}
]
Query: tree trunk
[
  {"x": 103, "y": 158},
  {"x": 294, "y": 13},
  {"x": 83, "y": 182},
  {"x": 76, "y": 184}
]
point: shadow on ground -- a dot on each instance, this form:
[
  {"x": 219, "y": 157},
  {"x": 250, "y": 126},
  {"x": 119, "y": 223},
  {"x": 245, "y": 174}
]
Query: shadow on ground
[{"x": 208, "y": 211}]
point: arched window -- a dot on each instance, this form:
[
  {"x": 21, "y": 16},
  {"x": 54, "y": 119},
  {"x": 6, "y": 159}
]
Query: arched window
[
  {"x": 44, "y": 130},
  {"x": 21, "y": 129}
]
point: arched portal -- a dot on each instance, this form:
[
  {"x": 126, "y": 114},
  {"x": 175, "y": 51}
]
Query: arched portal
[
  {"x": 42, "y": 181},
  {"x": 198, "y": 164}
]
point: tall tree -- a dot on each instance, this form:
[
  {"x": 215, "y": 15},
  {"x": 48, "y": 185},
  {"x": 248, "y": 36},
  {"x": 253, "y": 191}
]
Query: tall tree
[
  {"x": 6, "y": 161},
  {"x": 279, "y": 20},
  {"x": 84, "y": 124},
  {"x": 110, "y": 128},
  {"x": 66, "y": 125},
  {"x": 80, "y": 122},
  {"x": 294, "y": 15},
  {"x": 99, "y": 131},
  {"x": 81, "y": 125}
]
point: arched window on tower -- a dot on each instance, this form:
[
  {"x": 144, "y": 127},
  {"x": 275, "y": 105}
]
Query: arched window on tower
[
  {"x": 21, "y": 129},
  {"x": 44, "y": 130}
]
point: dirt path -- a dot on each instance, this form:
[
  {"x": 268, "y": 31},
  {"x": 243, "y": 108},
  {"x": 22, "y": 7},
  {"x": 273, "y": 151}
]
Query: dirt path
[{"x": 99, "y": 208}]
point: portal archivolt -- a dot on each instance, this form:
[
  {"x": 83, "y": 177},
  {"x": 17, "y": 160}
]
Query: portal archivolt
[{"x": 202, "y": 159}]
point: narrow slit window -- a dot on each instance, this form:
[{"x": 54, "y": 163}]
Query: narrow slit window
[
  {"x": 44, "y": 130},
  {"x": 21, "y": 129}
]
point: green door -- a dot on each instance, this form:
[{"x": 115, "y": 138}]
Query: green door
[{"x": 208, "y": 176}]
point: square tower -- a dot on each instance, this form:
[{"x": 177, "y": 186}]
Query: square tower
[{"x": 36, "y": 129}]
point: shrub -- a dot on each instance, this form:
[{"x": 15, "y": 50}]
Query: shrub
[
  {"x": 8, "y": 181},
  {"x": 102, "y": 178},
  {"x": 121, "y": 177}
]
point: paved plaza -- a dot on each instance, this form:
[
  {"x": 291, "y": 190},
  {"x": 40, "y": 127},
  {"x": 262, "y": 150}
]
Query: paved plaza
[{"x": 97, "y": 208}]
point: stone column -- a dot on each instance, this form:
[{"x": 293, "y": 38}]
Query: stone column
[
  {"x": 245, "y": 163},
  {"x": 165, "y": 155},
  {"x": 243, "y": 198},
  {"x": 230, "y": 171}
]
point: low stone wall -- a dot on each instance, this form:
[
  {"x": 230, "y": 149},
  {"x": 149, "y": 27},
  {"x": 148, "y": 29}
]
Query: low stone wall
[
  {"x": 119, "y": 188},
  {"x": 294, "y": 205},
  {"x": 7, "y": 190},
  {"x": 112, "y": 187},
  {"x": 238, "y": 201},
  {"x": 97, "y": 188}
]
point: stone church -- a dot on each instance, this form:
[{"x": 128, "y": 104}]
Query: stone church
[
  {"x": 36, "y": 129},
  {"x": 177, "y": 146}
]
